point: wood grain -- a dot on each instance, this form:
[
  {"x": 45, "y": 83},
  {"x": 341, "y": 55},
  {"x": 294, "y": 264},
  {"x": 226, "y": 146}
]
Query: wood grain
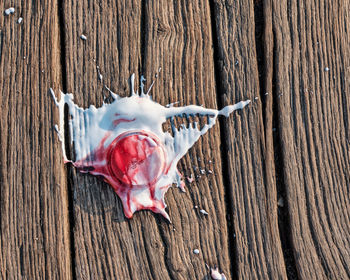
[
  {"x": 253, "y": 192},
  {"x": 34, "y": 224},
  {"x": 312, "y": 37},
  {"x": 106, "y": 244},
  {"x": 179, "y": 40},
  {"x": 147, "y": 247},
  {"x": 292, "y": 142}
]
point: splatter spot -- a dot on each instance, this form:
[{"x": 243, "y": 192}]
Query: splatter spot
[
  {"x": 9, "y": 11},
  {"x": 216, "y": 275},
  {"x": 124, "y": 142}
]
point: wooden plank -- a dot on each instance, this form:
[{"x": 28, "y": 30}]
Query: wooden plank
[
  {"x": 107, "y": 245},
  {"x": 249, "y": 144},
  {"x": 178, "y": 39},
  {"x": 311, "y": 90},
  {"x": 34, "y": 223},
  {"x": 147, "y": 247}
]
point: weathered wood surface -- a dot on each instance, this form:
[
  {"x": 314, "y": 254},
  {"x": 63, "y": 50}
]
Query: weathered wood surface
[
  {"x": 34, "y": 225},
  {"x": 253, "y": 192},
  {"x": 179, "y": 40},
  {"x": 311, "y": 72},
  {"x": 147, "y": 246},
  {"x": 292, "y": 143}
]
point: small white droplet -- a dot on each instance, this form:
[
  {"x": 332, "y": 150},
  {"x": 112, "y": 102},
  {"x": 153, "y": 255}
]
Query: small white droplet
[
  {"x": 202, "y": 171},
  {"x": 266, "y": 93},
  {"x": 10, "y": 11},
  {"x": 19, "y": 21},
  {"x": 83, "y": 37},
  {"x": 204, "y": 212},
  {"x": 256, "y": 98},
  {"x": 326, "y": 69},
  {"x": 216, "y": 275},
  {"x": 196, "y": 251}
]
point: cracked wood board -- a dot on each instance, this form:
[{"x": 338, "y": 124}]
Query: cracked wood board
[
  {"x": 305, "y": 70},
  {"x": 34, "y": 223},
  {"x": 253, "y": 194},
  {"x": 312, "y": 63},
  {"x": 147, "y": 247},
  {"x": 179, "y": 40}
]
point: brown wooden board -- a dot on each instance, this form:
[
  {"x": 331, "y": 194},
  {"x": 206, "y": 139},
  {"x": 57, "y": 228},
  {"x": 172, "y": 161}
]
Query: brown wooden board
[
  {"x": 106, "y": 245},
  {"x": 311, "y": 74},
  {"x": 147, "y": 247},
  {"x": 258, "y": 251},
  {"x": 34, "y": 224},
  {"x": 179, "y": 40},
  {"x": 273, "y": 177}
]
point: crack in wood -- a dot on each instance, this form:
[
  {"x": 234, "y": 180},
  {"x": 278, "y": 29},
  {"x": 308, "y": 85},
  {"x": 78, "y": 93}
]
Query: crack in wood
[
  {"x": 166, "y": 249},
  {"x": 68, "y": 169},
  {"x": 262, "y": 9},
  {"x": 283, "y": 212},
  {"x": 224, "y": 147},
  {"x": 143, "y": 38}
]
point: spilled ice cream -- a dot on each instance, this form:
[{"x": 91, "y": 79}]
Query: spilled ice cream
[{"x": 124, "y": 142}]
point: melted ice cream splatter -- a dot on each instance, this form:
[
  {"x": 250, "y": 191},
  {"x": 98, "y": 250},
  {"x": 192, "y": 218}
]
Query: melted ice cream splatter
[{"x": 125, "y": 143}]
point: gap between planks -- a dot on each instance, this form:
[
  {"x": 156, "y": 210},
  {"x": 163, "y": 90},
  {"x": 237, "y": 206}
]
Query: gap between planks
[{"x": 68, "y": 168}]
